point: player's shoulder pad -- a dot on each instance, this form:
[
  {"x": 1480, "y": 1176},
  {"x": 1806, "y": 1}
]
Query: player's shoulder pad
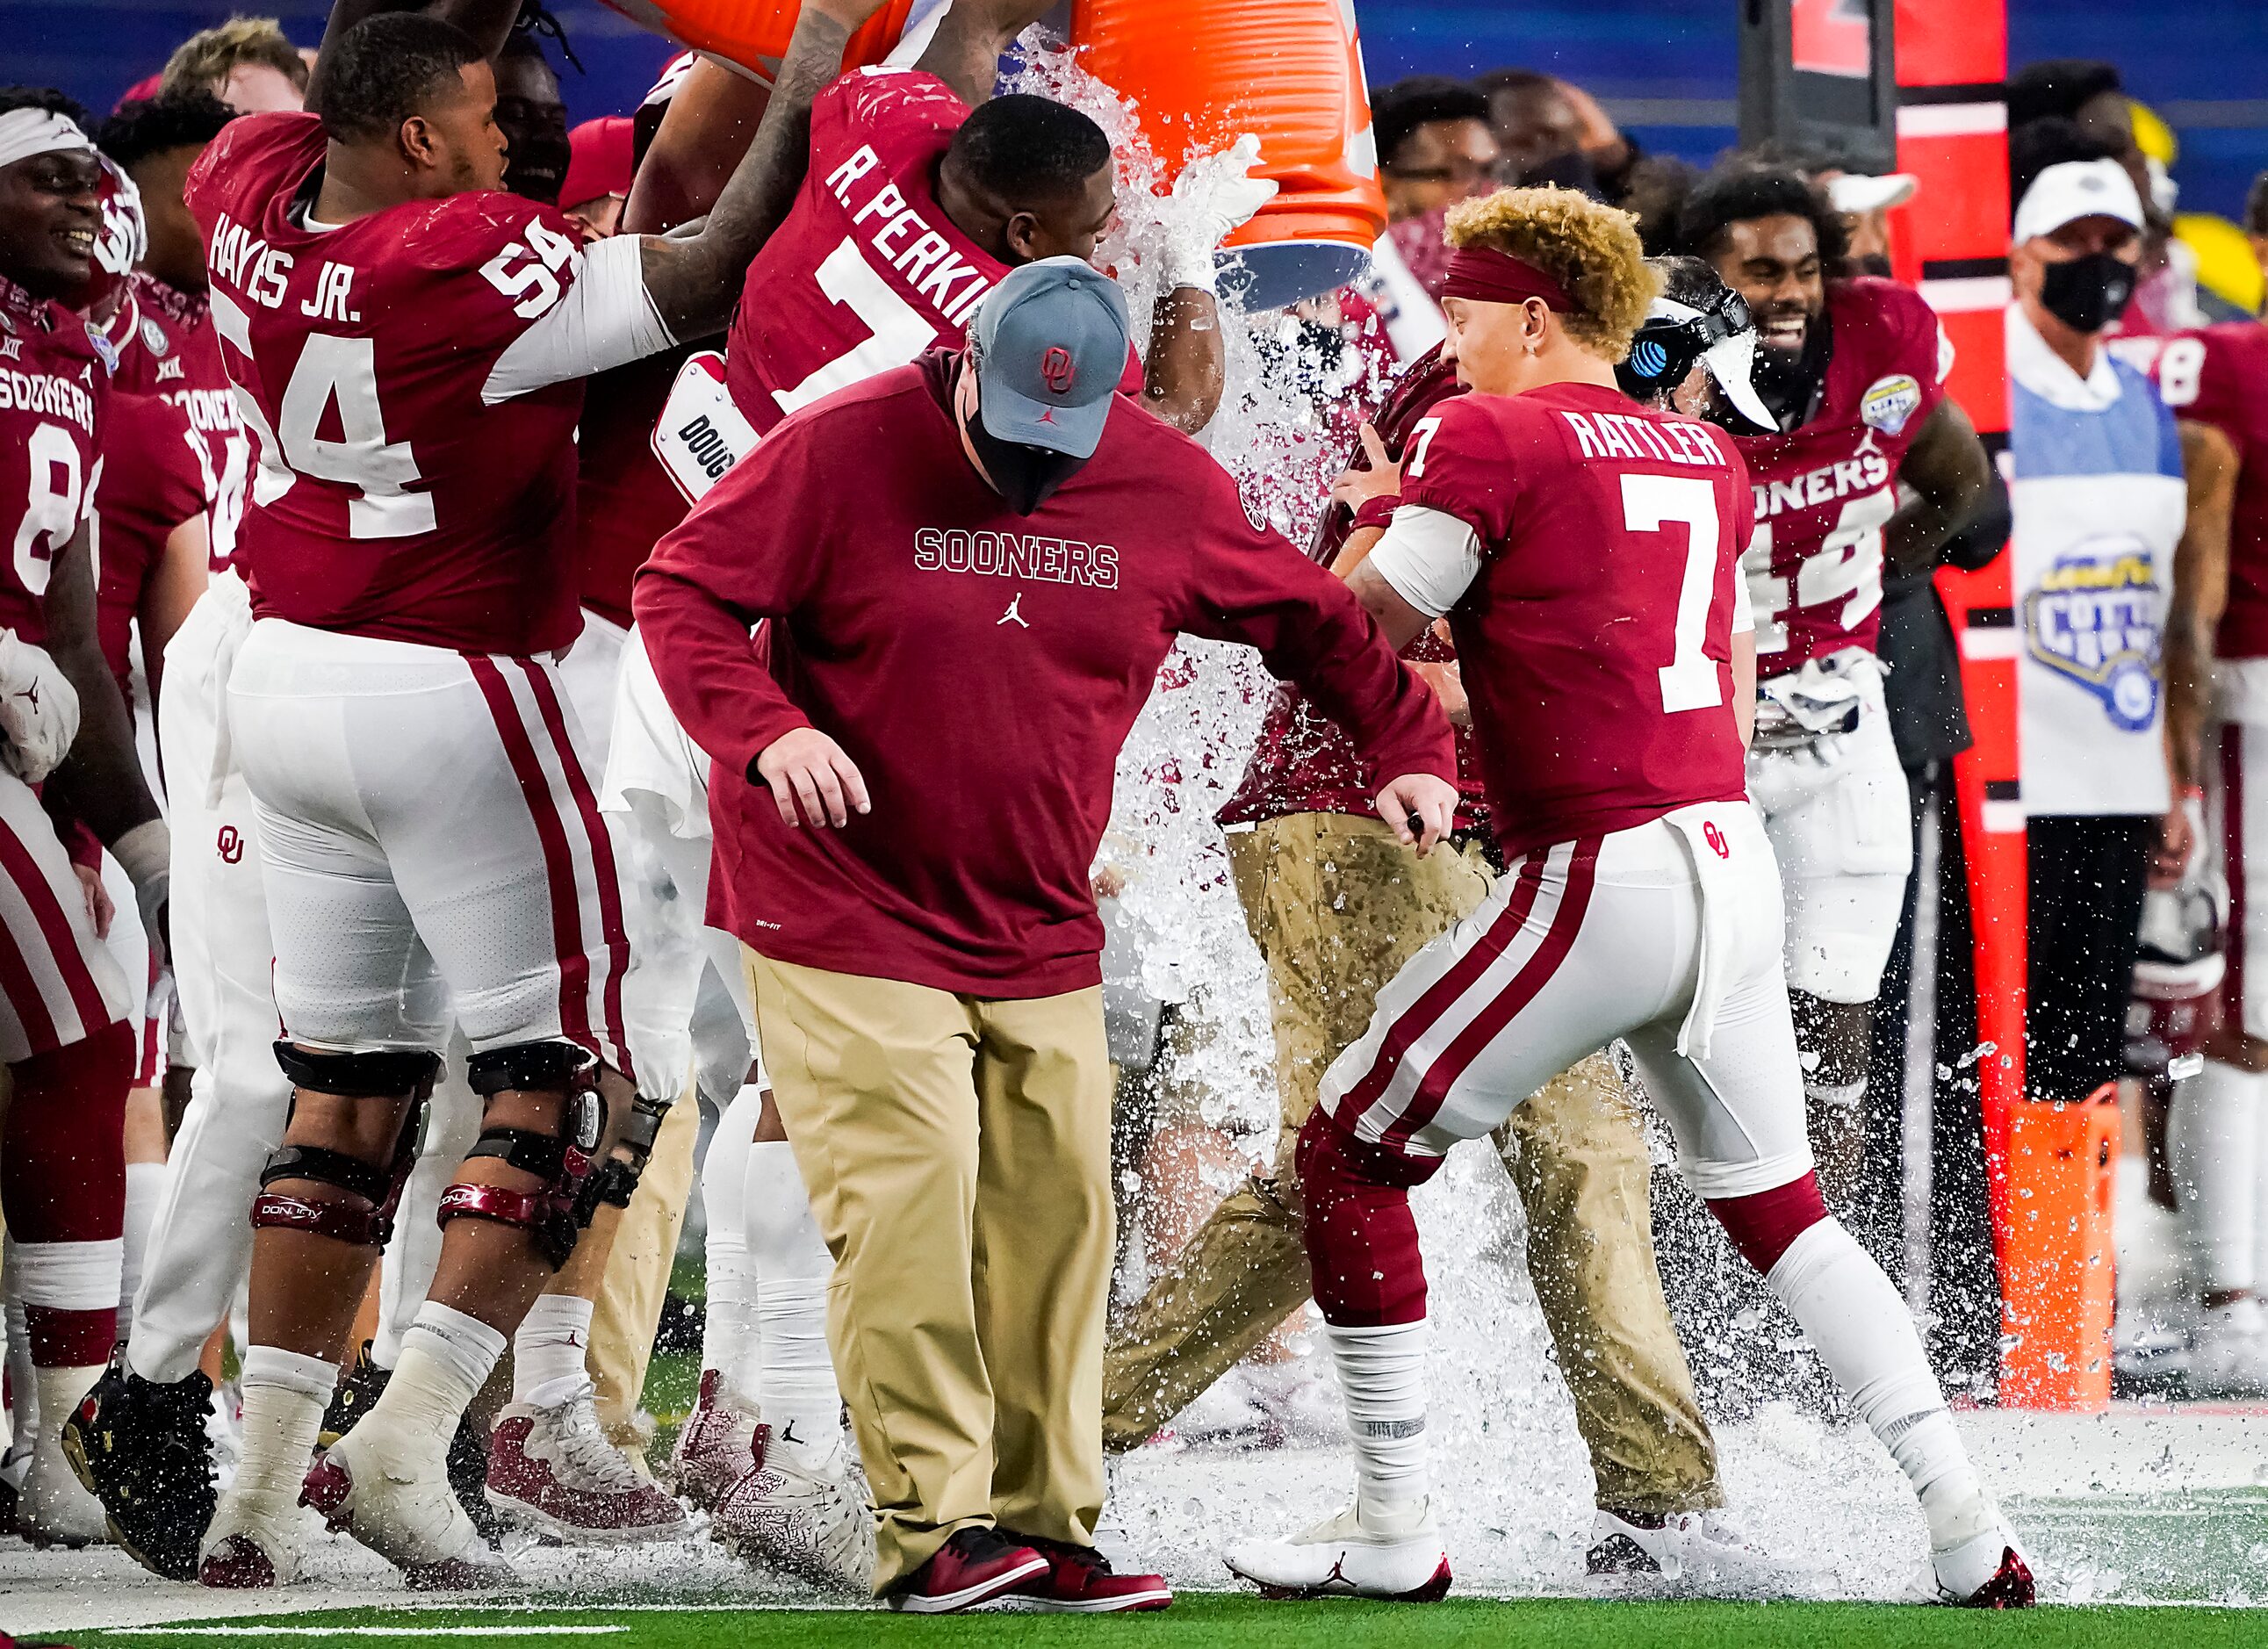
[
  {"x": 255, "y": 153},
  {"x": 871, "y": 92},
  {"x": 1890, "y": 321},
  {"x": 466, "y": 230}
]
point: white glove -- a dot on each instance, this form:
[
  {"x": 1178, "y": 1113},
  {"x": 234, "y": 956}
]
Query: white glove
[
  {"x": 1215, "y": 194},
  {"x": 39, "y": 710}
]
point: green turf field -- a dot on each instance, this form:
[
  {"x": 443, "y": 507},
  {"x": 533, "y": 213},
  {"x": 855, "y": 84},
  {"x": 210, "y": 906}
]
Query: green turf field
[{"x": 1205, "y": 1619}]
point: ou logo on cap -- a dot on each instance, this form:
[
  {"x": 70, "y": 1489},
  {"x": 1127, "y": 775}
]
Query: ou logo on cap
[{"x": 1058, "y": 369}]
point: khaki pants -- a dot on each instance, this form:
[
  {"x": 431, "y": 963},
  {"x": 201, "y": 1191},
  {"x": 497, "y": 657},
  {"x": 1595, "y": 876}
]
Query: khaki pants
[
  {"x": 627, "y": 1310},
  {"x": 1336, "y": 906},
  {"x": 957, "y": 1152}
]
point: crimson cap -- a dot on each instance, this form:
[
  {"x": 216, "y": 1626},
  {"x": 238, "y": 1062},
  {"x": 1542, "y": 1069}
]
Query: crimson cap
[{"x": 1050, "y": 342}]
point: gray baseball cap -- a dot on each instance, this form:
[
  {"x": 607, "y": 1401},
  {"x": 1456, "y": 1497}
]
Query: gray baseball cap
[{"x": 1051, "y": 341}]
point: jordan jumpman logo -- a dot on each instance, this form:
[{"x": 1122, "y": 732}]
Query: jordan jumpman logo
[{"x": 1013, "y": 614}]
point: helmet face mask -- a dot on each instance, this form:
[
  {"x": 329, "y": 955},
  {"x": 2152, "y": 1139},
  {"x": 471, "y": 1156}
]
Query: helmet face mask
[{"x": 1676, "y": 337}]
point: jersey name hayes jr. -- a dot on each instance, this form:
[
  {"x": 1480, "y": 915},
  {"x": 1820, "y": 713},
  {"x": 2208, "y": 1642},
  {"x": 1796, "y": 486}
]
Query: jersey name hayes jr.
[{"x": 1017, "y": 555}]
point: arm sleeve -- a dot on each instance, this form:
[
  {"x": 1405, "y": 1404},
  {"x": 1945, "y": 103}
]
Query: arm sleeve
[
  {"x": 603, "y": 319},
  {"x": 1431, "y": 558},
  {"x": 747, "y": 553},
  {"x": 1252, "y": 586}
]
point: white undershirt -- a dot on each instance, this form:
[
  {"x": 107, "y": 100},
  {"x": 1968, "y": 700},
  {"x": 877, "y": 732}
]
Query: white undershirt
[
  {"x": 1429, "y": 556},
  {"x": 606, "y": 318}
]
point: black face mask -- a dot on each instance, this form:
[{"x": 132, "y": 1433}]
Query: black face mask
[
  {"x": 2086, "y": 294},
  {"x": 1026, "y": 477}
]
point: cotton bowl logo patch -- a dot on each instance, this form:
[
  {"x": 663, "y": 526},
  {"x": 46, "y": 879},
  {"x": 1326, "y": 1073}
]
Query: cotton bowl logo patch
[
  {"x": 2095, "y": 619},
  {"x": 1889, "y": 404}
]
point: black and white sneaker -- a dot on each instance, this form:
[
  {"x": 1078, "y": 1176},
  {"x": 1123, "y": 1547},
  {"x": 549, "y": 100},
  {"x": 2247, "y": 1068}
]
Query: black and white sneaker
[{"x": 141, "y": 1449}]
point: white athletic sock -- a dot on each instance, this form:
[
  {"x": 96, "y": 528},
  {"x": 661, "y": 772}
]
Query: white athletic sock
[
  {"x": 145, "y": 1186},
  {"x": 550, "y": 1350},
  {"x": 1383, "y": 1371},
  {"x": 795, "y": 1382},
  {"x": 1861, "y": 1330},
  {"x": 2213, "y": 1145},
  {"x": 447, "y": 1358},
  {"x": 728, "y": 1342},
  {"x": 284, "y": 1396},
  {"x": 22, "y": 1388}
]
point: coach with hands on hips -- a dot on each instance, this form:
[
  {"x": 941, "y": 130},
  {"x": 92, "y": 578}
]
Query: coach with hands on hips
[{"x": 972, "y": 568}]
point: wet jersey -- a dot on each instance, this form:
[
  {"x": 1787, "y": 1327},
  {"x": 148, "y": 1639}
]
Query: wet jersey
[
  {"x": 1825, "y": 490},
  {"x": 1596, "y": 636},
  {"x": 53, "y": 393}
]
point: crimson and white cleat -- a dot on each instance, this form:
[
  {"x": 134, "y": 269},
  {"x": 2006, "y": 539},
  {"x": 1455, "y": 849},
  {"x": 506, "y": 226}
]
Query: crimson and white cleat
[
  {"x": 555, "y": 1471},
  {"x": 402, "y": 1508},
  {"x": 249, "y": 1546},
  {"x": 722, "y": 1440},
  {"x": 1401, "y": 1562},
  {"x": 1696, "y": 1549},
  {"x": 785, "y": 1518},
  {"x": 1987, "y": 1570}
]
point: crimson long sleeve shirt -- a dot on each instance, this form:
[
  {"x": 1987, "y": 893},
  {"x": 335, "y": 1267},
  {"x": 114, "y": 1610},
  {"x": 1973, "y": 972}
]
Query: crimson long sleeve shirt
[{"x": 981, "y": 668}]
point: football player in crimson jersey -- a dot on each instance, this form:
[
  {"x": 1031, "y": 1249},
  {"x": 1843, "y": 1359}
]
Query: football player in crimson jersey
[
  {"x": 410, "y": 582},
  {"x": 63, "y": 1001},
  {"x": 1852, "y": 371},
  {"x": 2216, "y": 381},
  {"x": 1585, "y": 552},
  {"x": 1335, "y": 911},
  {"x": 922, "y": 190}
]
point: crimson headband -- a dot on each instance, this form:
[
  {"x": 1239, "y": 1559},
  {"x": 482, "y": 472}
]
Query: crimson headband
[{"x": 1497, "y": 277}]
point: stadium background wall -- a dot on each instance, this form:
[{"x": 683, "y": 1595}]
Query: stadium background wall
[{"x": 1666, "y": 72}]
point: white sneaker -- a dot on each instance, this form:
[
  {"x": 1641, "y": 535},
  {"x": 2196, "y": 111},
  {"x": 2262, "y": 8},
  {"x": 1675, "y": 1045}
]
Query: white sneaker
[
  {"x": 251, "y": 1546},
  {"x": 2230, "y": 1355},
  {"x": 1402, "y": 1561},
  {"x": 1987, "y": 1570},
  {"x": 555, "y": 1470},
  {"x": 53, "y": 1508},
  {"x": 399, "y": 1505},
  {"x": 816, "y": 1525},
  {"x": 1702, "y": 1550}
]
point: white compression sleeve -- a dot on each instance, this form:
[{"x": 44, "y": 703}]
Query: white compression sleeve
[
  {"x": 604, "y": 319},
  {"x": 1429, "y": 556}
]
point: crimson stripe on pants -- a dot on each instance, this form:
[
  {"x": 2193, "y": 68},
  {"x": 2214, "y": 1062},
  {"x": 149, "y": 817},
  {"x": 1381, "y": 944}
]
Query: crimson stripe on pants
[
  {"x": 16, "y": 861},
  {"x": 551, "y": 833},
  {"x": 1490, "y": 1022},
  {"x": 602, "y": 859},
  {"x": 1443, "y": 993},
  {"x": 2232, "y": 842}
]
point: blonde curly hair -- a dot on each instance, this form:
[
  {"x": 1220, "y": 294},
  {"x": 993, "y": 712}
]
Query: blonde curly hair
[{"x": 1590, "y": 249}]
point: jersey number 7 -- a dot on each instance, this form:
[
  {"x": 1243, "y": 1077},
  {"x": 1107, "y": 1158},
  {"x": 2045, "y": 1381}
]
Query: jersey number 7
[{"x": 1654, "y": 504}]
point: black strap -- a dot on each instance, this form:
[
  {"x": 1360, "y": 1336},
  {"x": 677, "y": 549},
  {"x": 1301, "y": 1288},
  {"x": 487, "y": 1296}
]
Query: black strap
[
  {"x": 542, "y": 1155},
  {"x": 362, "y": 1076},
  {"x": 326, "y": 1166}
]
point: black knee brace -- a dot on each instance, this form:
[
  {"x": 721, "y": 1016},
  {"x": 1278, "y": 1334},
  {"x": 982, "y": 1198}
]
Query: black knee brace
[
  {"x": 617, "y": 1177},
  {"x": 365, "y": 1216},
  {"x": 566, "y": 1161}
]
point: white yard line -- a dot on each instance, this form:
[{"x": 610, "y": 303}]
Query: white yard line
[{"x": 366, "y": 1631}]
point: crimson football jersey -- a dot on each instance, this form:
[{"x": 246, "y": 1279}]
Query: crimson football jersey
[
  {"x": 53, "y": 393},
  {"x": 166, "y": 347},
  {"x": 2220, "y": 376},
  {"x": 867, "y": 272},
  {"x": 1596, "y": 640},
  {"x": 624, "y": 499},
  {"x": 392, "y": 498},
  {"x": 1825, "y": 490}
]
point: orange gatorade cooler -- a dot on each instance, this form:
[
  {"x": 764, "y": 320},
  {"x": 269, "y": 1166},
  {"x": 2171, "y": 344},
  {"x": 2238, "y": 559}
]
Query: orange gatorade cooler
[
  {"x": 753, "y": 34},
  {"x": 2058, "y": 1268},
  {"x": 1289, "y": 71}
]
